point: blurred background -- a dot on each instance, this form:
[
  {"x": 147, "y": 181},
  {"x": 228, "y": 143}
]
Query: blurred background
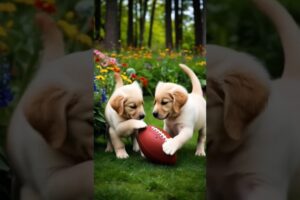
[
  {"x": 20, "y": 50},
  {"x": 239, "y": 25}
]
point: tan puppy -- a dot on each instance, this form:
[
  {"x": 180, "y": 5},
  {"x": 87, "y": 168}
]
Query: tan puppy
[
  {"x": 123, "y": 113},
  {"x": 183, "y": 113},
  {"x": 50, "y": 137},
  {"x": 253, "y": 123}
]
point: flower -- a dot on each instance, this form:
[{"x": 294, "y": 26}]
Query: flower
[
  {"x": 133, "y": 76},
  {"x": 103, "y": 96},
  {"x": 7, "y": 7},
  {"x": 2, "y": 32},
  {"x": 69, "y": 15},
  {"x": 124, "y": 65},
  {"x": 144, "y": 81},
  {"x": 46, "y": 6},
  {"x": 84, "y": 39},
  {"x": 6, "y": 95},
  {"x": 130, "y": 71},
  {"x": 28, "y": 2},
  {"x": 69, "y": 29}
]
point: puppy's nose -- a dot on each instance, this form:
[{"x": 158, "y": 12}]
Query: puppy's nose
[
  {"x": 142, "y": 116},
  {"x": 155, "y": 114}
]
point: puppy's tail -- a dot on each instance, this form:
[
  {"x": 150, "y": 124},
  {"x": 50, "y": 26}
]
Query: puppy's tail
[
  {"x": 119, "y": 81},
  {"x": 194, "y": 79},
  {"x": 53, "y": 43},
  {"x": 288, "y": 31}
]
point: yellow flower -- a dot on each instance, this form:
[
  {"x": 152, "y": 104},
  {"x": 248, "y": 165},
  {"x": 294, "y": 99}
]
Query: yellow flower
[
  {"x": 188, "y": 57},
  {"x": 98, "y": 66},
  {"x": 69, "y": 15},
  {"x": 99, "y": 77},
  {"x": 103, "y": 71},
  {"x": 162, "y": 54},
  {"x": 84, "y": 39},
  {"x": 9, "y": 24},
  {"x": 113, "y": 55},
  {"x": 2, "y": 32},
  {"x": 28, "y": 2},
  {"x": 3, "y": 46},
  {"x": 7, "y": 7},
  {"x": 69, "y": 29}
]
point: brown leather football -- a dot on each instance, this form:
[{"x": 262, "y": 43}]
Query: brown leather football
[{"x": 150, "y": 140}]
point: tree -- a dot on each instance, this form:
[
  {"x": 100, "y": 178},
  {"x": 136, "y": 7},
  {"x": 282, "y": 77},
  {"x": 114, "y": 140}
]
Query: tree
[
  {"x": 97, "y": 19},
  {"x": 168, "y": 24},
  {"x": 130, "y": 24},
  {"x": 112, "y": 28},
  {"x": 143, "y": 12},
  {"x": 198, "y": 18},
  {"x": 151, "y": 23},
  {"x": 178, "y": 23},
  {"x": 135, "y": 24},
  {"x": 119, "y": 20}
]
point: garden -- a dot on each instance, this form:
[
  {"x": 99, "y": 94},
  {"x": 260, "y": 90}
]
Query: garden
[{"x": 135, "y": 177}]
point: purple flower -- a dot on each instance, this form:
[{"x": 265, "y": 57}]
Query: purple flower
[
  {"x": 103, "y": 96},
  {"x": 95, "y": 88},
  {"x": 6, "y": 95}
]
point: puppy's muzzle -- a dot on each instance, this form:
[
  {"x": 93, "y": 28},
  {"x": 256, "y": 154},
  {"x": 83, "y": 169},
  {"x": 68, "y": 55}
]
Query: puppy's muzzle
[
  {"x": 141, "y": 116},
  {"x": 155, "y": 114}
]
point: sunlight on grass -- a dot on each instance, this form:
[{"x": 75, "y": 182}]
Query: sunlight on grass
[{"x": 136, "y": 178}]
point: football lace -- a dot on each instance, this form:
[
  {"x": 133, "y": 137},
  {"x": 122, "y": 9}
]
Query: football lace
[{"x": 156, "y": 130}]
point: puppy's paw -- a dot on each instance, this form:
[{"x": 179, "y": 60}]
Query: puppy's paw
[
  {"x": 140, "y": 124},
  {"x": 108, "y": 148},
  {"x": 200, "y": 152},
  {"x": 170, "y": 146},
  {"x": 121, "y": 154},
  {"x": 142, "y": 154},
  {"x": 136, "y": 147}
]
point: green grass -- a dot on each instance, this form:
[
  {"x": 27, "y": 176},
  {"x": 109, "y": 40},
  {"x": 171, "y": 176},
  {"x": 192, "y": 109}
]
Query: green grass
[{"x": 136, "y": 178}]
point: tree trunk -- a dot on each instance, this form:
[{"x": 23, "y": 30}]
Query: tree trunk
[
  {"x": 198, "y": 23},
  {"x": 130, "y": 24},
  {"x": 112, "y": 29},
  {"x": 178, "y": 24},
  {"x": 136, "y": 24},
  {"x": 151, "y": 23},
  {"x": 97, "y": 35},
  {"x": 143, "y": 12},
  {"x": 120, "y": 21},
  {"x": 168, "y": 24}
]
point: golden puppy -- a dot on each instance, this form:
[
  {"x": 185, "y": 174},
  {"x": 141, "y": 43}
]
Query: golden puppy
[
  {"x": 123, "y": 113},
  {"x": 50, "y": 137},
  {"x": 253, "y": 122},
  {"x": 183, "y": 113}
]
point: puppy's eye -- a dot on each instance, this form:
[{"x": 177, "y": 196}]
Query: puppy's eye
[
  {"x": 133, "y": 106},
  {"x": 164, "y": 103}
]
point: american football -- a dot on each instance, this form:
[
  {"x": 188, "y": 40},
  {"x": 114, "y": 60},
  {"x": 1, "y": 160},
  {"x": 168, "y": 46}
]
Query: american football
[{"x": 150, "y": 140}]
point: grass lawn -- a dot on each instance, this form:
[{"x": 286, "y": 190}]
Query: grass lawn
[{"x": 136, "y": 178}]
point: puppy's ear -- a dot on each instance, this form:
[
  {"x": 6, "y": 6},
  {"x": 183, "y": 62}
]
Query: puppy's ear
[
  {"x": 244, "y": 98},
  {"x": 47, "y": 113},
  {"x": 117, "y": 103},
  {"x": 180, "y": 99}
]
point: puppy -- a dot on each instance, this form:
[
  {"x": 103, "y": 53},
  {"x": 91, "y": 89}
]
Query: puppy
[
  {"x": 183, "y": 113},
  {"x": 50, "y": 136},
  {"x": 124, "y": 113},
  {"x": 253, "y": 122}
]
